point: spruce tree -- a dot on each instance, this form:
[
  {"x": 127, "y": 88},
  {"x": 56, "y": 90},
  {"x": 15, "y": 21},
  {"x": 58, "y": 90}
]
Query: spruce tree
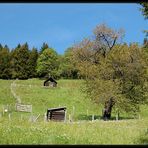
[
  {"x": 33, "y": 56},
  {"x": 20, "y": 62},
  {"x": 44, "y": 46},
  {"x": 4, "y": 62}
]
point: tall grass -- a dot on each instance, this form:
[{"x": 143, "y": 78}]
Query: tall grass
[
  {"x": 67, "y": 93},
  {"x": 19, "y": 129},
  {"x": 97, "y": 132}
]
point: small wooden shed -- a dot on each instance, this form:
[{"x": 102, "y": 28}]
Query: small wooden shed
[
  {"x": 56, "y": 114},
  {"x": 52, "y": 82}
]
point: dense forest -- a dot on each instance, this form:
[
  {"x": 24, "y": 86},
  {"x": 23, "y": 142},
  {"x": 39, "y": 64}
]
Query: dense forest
[{"x": 23, "y": 63}]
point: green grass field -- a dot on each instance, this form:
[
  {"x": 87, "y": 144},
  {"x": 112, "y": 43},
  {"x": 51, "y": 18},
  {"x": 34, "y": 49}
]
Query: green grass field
[{"x": 16, "y": 128}]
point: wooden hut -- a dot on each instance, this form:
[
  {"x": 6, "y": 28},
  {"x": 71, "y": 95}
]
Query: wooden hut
[
  {"x": 52, "y": 82},
  {"x": 56, "y": 114}
]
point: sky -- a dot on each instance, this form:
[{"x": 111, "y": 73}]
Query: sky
[{"x": 61, "y": 25}]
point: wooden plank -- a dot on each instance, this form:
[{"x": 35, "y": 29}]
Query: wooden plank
[
  {"x": 57, "y": 109},
  {"x": 57, "y": 118},
  {"x": 58, "y": 114}
]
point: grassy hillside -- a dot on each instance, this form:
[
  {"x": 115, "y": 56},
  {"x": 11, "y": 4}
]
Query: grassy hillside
[
  {"x": 16, "y": 128},
  {"x": 67, "y": 93}
]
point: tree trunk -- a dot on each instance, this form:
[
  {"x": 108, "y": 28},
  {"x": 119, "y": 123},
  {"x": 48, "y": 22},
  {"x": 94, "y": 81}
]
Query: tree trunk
[{"x": 107, "y": 109}]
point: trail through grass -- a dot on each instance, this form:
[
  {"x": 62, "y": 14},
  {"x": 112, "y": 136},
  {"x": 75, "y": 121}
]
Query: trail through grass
[{"x": 16, "y": 128}]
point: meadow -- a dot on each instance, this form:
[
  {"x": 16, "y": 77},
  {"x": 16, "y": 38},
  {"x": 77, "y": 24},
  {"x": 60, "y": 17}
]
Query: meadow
[{"x": 17, "y": 128}]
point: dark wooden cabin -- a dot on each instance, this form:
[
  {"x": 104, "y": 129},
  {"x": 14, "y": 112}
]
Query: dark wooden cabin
[
  {"x": 50, "y": 82},
  {"x": 56, "y": 114}
]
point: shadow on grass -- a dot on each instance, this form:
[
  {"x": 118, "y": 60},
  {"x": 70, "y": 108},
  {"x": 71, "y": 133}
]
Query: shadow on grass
[
  {"x": 98, "y": 117},
  {"x": 143, "y": 139},
  {"x": 88, "y": 117},
  {"x": 125, "y": 118}
]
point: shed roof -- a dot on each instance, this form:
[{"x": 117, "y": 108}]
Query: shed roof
[
  {"x": 51, "y": 79},
  {"x": 56, "y": 109}
]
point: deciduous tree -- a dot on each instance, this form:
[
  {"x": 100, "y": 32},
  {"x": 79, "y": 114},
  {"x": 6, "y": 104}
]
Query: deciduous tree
[
  {"x": 67, "y": 67},
  {"x": 114, "y": 74},
  {"x": 47, "y": 63}
]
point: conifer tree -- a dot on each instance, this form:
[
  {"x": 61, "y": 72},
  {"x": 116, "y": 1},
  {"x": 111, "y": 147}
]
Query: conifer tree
[
  {"x": 33, "y": 56},
  {"x": 47, "y": 63},
  {"x": 20, "y": 62},
  {"x": 44, "y": 46},
  {"x": 4, "y": 62}
]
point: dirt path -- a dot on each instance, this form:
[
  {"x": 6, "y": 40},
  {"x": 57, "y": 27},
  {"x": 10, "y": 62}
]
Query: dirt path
[{"x": 12, "y": 87}]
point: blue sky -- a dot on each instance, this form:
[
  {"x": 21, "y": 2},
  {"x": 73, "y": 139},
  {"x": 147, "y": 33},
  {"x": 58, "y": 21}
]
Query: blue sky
[{"x": 63, "y": 24}]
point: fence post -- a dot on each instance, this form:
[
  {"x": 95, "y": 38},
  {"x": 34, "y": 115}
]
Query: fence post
[
  {"x": 116, "y": 117},
  {"x": 3, "y": 110},
  {"x": 73, "y": 111},
  {"x": 87, "y": 112},
  {"x": 69, "y": 118},
  {"x": 45, "y": 117},
  {"x": 93, "y": 117},
  {"x": 9, "y": 115},
  {"x": 65, "y": 116}
]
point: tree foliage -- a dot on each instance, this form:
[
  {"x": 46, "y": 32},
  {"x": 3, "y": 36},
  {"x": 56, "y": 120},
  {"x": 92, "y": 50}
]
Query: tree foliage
[
  {"x": 33, "y": 56},
  {"x": 144, "y": 9},
  {"x": 44, "y": 46},
  {"x": 112, "y": 71},
  {"x": 67, "y": 67},
  {"x": 20, "y": 62},
  {"x": 47, "y": 63},
  {"x": 4, "y": 62}
]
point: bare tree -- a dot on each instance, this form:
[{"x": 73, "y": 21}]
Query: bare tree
[{"x": 105, "y": 38}]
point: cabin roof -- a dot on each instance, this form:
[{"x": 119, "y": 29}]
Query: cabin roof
[{"x": 52, "y": 80}]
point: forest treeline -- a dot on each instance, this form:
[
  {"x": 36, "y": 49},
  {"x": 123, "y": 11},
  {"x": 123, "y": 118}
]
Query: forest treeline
[{"x": 23, "y": 62}]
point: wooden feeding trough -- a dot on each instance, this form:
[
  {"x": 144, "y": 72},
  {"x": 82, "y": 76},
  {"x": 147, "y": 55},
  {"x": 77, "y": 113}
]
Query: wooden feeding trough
[
  {"x": 52, "y": 82},
  {"x": 56, "y": 114}
]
